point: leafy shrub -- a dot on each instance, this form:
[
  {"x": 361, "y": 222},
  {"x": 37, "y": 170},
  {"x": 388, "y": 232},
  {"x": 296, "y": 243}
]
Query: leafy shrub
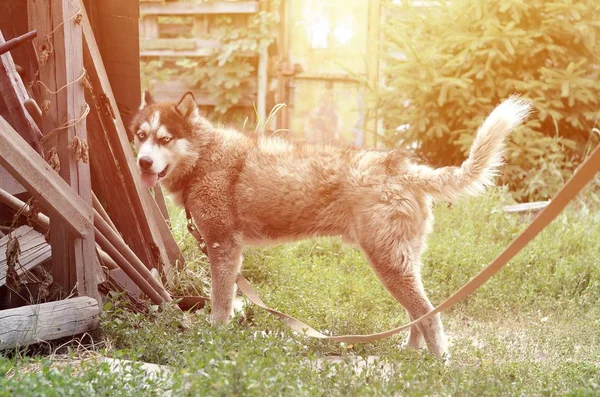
[
  {"x": 447, "y": 66},
  {"x": 228, "y": 74}
]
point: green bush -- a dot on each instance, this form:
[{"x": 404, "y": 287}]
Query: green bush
[{"x": 447, "y": 66}]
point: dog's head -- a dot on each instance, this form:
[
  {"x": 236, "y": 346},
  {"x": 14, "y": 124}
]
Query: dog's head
[{"x": 162, "y": 135}]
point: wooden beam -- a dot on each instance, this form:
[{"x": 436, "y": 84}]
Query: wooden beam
[
  {"x": 27, "y": 167},
  {"x": 139, "y": 200},
  {"x": 189, "y": 8},
  {"x": 124, "y": 250},
  {"x": 35, "y": 323},
  {"x": 14, "y": 94},
  {"x": 197, "y": 53},
  {"x": 129, "y": 269},
  {"x": 167, "y": 44}
]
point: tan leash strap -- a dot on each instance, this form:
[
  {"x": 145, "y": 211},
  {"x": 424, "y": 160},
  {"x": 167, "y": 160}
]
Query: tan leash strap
[{"x": 580, "y": 178}]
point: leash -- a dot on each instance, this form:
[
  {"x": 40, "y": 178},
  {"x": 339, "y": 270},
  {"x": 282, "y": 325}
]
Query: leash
[{"x": 580, "y": 178}]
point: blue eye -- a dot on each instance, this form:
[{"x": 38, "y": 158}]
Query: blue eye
[
  {"x": 165, "y": 139},
  {"x": 141, "y": 136}
]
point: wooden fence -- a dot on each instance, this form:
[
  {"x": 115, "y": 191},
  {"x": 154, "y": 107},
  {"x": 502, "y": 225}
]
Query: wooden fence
[{"x": 195, "y": 35}]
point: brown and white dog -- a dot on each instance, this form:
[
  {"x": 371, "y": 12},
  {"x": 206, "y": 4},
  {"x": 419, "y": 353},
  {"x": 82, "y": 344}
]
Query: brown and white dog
[{"x": 244, "y": 191}]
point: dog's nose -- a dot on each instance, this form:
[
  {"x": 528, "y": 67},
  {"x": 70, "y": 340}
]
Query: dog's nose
[{"x": 145, "y": 162}]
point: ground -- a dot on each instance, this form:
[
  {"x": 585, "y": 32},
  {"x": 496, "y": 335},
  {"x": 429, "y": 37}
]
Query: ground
[{"x": 533, "y": 329}]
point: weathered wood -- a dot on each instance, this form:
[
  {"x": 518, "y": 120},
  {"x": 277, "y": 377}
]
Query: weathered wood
[
  {"x": 189, "y": 8},
  {"x": 117, "y": 242},
  {"x": 27, "y": 167},
  {"x": 47, "y": 321},
  {"x": 14, "y": 94},
  {"x": 44, "y": 222},
  {"x": 106, "y": 260},
  {"x": 128, "y": 268},
  {"x": 34, "y": 251},
  {"x": 139, "y": 201},
  {"x": 119, "y": 44},
  {"x": 73, "y": 260},
  {"x": 100, "y": 209},
  {"x": 16, "y": 204}
]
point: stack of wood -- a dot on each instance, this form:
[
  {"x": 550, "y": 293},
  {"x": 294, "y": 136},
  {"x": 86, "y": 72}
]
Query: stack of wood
[{"x": 75, "y": 220}]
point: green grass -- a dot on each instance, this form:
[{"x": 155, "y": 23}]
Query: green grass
[{"x": 533, "y": 329}]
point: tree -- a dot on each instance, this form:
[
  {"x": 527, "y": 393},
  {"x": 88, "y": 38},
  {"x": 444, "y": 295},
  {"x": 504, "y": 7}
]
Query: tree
[{"x": 448, "y": 64}]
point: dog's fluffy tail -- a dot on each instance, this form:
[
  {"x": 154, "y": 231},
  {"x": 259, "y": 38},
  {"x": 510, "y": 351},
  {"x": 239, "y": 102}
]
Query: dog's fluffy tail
[{"x": 485, "y": 158}]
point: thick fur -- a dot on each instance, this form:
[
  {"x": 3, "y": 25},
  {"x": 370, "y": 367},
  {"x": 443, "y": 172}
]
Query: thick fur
[{"x": 244, "y": 191}]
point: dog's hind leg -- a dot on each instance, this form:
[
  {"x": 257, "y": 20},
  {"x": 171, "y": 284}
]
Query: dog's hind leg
[
  {"x": 415, "y": 339},
  {"x": 403, "y": 281}
]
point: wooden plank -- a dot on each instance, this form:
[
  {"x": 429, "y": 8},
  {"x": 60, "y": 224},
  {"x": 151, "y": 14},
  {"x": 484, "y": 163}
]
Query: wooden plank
[
  {"x": 189, "y": 8},
  {"x": 73, "y": 260},
  {"x": 171, "y": 91},
  {"x": 262, "y": 76},
  {"x": 34, "y": 251},
  {"x": 167, "y": 44},
  {"x": 159, "y": 197},
  {"x": 140, "y": 201},
  {"x": 197, "y": 53},
  {"x": 47, "y": 321},
  {"x": 526, "y": 207},
  {"x": 119, "y": 44},
  {"x": 27, "y": 167},
  {"x": 14, "y": 94}
]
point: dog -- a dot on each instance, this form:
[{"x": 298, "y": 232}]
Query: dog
[{"x": 258, "y": 191}]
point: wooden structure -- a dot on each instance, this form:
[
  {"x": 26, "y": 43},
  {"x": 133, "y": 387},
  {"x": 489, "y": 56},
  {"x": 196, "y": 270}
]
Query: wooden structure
[
  {"x": 67, "y": 166},
  {"x": 196, "y": 35},
  {"x": 325, "y": 55},
  {"x": 330, "y": 51}
]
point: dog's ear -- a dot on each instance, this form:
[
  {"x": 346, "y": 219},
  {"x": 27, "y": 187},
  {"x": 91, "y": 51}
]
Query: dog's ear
[
  {"x": 147, "y": 99},
  {"x": 187, "y": 107}
]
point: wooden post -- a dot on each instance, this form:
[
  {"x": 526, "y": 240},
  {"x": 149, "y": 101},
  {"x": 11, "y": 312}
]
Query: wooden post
[
  {"x": 14, "y": 93},
  {"x": 73, "y": 260},
  {"x": 373, "y": 48},
  {"x": 144, "y": 233},
  {"x": 263, "y": 64},
  {"x": 283, "y": 116}
]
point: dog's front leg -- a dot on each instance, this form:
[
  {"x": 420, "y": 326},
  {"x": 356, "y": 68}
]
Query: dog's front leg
[{"x": 225, "y": 256}]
